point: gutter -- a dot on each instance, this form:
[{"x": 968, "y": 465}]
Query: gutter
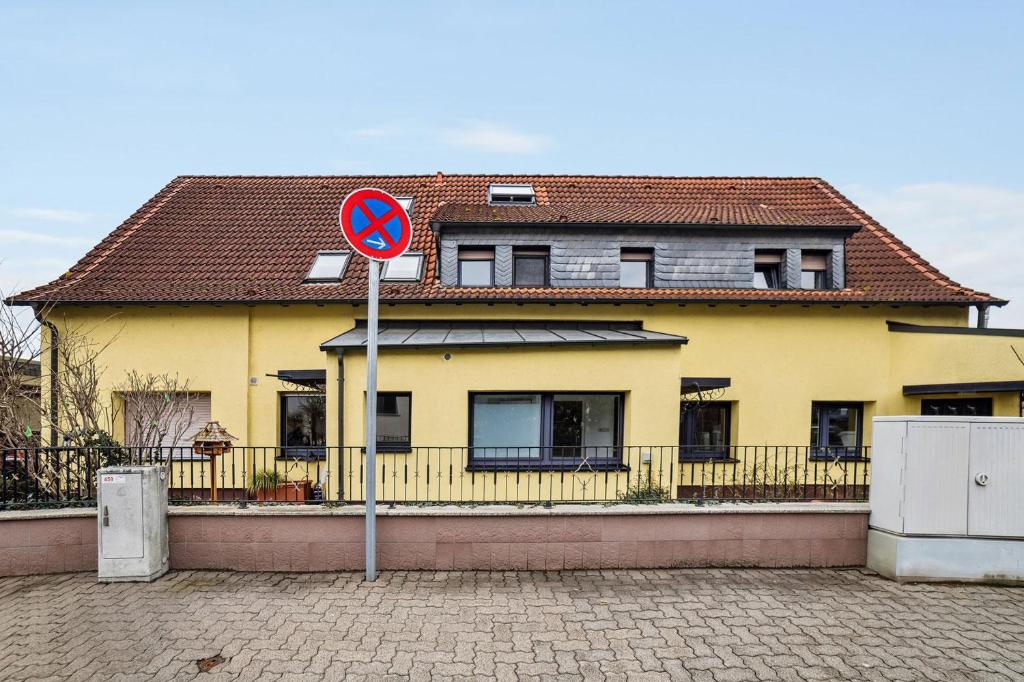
[{"x": 540, "y": 300}]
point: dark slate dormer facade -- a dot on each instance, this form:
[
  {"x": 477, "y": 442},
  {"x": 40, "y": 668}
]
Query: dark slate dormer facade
[{"x": 684, "y": 256}]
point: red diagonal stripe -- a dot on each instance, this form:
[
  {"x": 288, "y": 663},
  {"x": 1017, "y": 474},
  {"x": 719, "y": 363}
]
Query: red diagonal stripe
[{"x": 377, "y": 223}]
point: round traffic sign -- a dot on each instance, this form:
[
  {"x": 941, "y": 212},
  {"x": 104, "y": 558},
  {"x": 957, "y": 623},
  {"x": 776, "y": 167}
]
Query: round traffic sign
[{"x": 375, "y": 224}]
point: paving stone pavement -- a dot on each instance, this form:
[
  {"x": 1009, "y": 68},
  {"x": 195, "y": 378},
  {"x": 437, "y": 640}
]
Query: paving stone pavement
[{"x": 698, "y": 624}]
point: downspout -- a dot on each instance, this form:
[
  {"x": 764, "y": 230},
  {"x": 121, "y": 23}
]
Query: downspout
[
  {"x": 54, "y": 359},
  {"x": 341, "y": 426},
  {"x": 982, "y": 316}
]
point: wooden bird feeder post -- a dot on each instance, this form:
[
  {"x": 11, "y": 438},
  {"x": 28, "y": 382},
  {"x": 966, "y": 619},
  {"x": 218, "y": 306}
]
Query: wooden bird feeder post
[{"x": 212, "y": 442}]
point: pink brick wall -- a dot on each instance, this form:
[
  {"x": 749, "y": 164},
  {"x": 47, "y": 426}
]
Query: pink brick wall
[
  {"x": 290, "y": 542},
  {"x": 57, "y": 545}
]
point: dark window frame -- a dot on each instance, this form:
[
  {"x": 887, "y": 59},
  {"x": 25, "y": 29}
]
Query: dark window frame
[
  {"x": 987, "y": 403},
  {"x": 404, "y": 446},
  {"x": 307, "y": 452},
  {"x": 462, "y": 260},
  {"x": 531, "y": 253},
  {"x": 778, "y": 268},
  {"x": 687, "y": 432},
  {"x": 821, "y": 449},
  {"x": 548, "y": 461},
  {"x": 822, "y": 278},
  {"x": 643, "y": 255}
]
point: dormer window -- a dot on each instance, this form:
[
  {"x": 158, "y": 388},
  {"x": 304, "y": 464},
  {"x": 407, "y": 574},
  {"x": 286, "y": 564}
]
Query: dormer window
[
  {"x": 328, "y": 267},
  {"x": 530, "y": 267},
  {"x": 636, "y": 268},
  {"x": 814, "y": 270},
  {"x": 405, "y": 268},
  {"x": 406, "y": 203},
  {"x": 476, "y": 267},
  {"x": 511, "y": 194},
  {"x": 768, "y": 269}
]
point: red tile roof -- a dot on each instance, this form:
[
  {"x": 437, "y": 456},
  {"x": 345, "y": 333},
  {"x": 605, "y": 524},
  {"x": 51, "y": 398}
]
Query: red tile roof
[{"x": 252, "y": 239}]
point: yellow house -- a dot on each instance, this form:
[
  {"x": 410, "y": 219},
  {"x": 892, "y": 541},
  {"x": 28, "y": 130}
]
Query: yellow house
[{"x": 546, "y": 337}]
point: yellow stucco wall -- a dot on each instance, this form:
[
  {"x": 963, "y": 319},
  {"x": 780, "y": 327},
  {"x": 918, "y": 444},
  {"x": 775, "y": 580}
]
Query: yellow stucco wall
[{"x": 779, "y": 359}]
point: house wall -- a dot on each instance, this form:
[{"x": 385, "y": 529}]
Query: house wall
[{"x": 779, "y": 358}]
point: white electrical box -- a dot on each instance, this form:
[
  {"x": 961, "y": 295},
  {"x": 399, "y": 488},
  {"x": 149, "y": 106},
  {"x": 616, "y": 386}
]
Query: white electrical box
[
  {"x": 132, "y": 518},
  {"x": 946, "y": 500}
]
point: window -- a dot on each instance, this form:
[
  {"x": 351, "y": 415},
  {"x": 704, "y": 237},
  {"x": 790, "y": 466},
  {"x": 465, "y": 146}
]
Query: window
[
  {"x": 530, "y": 267},
  {"x": 476, "y": 267},
  {"x": 959, "y": 407},
  {"x": 836, "y": 429},
  {"x": 304, "y": 424},
  {"x": 635, "y": 268},
  {"x": 814, "y": 270},
  {"x": 329, "y": 266},
  {"x": 511, "y": 194},
  {"x": 405, "y": 268},
  {"x": 167, "y": 420},
  {"x": 704, "y": 430},
  {"x": 768, "y": 270},
  {"x": 406, "y": 203},
  {"x": 394, "y": 411},
  {"x": 545, "y": 430}
]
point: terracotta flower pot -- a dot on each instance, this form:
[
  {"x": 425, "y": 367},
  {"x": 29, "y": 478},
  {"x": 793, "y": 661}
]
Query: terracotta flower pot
[{"x": 293, "y": 491}]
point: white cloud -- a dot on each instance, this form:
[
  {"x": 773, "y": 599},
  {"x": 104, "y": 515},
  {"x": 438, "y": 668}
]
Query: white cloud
[
  {"x": 57, "y": 215},
  {"x": 487, "y": 137},
  {"x": 973, "y": 233},
  {"x": 25, "y": 237}
]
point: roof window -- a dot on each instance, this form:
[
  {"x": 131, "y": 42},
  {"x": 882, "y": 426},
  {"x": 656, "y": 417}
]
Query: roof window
[
  {"x": 329, "y": 266},
  {"x": 405, "y": 268},
  {"x": 511, "y": 194},
  {"x": 406, "y": 203}
]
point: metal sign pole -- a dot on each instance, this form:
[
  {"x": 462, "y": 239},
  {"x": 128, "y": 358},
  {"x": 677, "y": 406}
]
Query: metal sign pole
[{"x": 371, "y": 424}]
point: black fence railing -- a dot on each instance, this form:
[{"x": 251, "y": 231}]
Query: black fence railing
[{"x": 39, "y": 477}]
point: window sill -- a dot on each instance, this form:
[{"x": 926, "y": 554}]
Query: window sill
[
  {"x": 302, "y": 455},
  {"x": 839, "y": 458},
  {"x": 716, "y": 459},
  {"x": 391, "y": 449},
  {"x": 511, "y": 467}
]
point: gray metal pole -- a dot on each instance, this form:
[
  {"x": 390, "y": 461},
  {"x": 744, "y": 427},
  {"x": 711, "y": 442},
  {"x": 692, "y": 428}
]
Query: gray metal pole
[{"x": 371, "y": 425}]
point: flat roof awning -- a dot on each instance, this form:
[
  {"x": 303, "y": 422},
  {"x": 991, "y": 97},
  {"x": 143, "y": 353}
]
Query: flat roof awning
[
  {"x": 975, "y": 387},
  {"x": 483, "y": 333}
]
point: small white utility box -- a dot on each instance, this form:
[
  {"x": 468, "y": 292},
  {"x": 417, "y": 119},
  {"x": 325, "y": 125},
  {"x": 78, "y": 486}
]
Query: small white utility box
[
  {"x": 947, "y": 498},
  {"x": 132, "y": 518}
]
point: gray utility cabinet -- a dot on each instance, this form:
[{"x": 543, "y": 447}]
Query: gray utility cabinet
[
  {"x": 947, "y": 498},
  {"x": 132, "y": 518}
]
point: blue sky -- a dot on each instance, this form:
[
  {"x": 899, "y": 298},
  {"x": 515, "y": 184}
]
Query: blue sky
[{"x": 912, "y": 108}]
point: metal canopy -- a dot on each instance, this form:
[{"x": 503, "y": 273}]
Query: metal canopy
[
  {"x": 698, "y": 384},
  {"x": 975, "y": 387},
  {"x": 474, "y": 333},
  {"x": 312, "y": 378}
]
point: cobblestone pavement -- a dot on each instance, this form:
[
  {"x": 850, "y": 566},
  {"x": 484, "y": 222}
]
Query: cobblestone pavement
[{"x": 716, "y": 625}]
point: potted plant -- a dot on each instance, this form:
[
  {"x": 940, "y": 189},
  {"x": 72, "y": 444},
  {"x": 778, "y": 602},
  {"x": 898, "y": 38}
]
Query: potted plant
[{"x": 270, "y": 486}]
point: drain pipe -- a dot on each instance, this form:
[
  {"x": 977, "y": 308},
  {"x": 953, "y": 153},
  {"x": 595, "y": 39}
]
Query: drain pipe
[
  {"x": 341, "y": 425},
  {"x": 54, "y": 359},
  {"x": 982, "y": 316}
]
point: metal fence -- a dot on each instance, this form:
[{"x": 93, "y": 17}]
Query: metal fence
[{"x": 40, "y": 477}]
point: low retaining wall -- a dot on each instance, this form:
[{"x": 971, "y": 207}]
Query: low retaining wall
[{"x": 463, "y": 538}]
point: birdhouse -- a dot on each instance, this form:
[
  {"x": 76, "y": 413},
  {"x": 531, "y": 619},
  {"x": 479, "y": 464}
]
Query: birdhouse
[{"x": 212, "y": 440}]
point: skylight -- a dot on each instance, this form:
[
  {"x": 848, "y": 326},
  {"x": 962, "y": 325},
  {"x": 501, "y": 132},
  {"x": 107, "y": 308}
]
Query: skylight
[
  {"x": 329, "y": 266},
  {"x": 511, "y": 194},
  {"x": 406, "y": 268},
  {"x": 406, "y": 203}
]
